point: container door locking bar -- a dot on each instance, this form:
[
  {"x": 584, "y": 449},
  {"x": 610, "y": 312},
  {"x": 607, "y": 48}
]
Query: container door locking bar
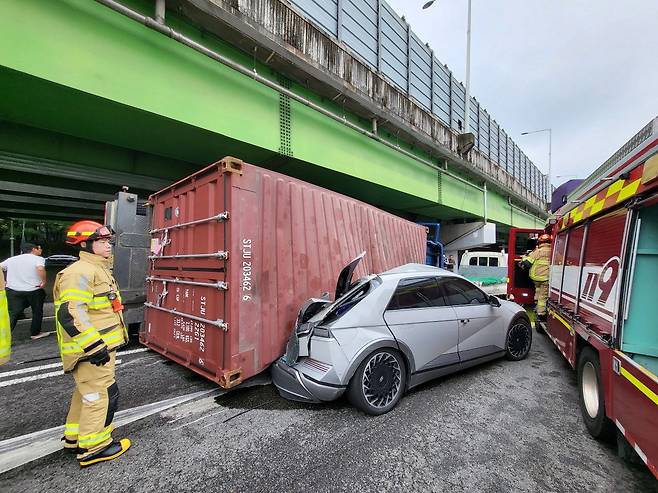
[
  {"x": 222, "y": 216},
  {"x": 217, "y": 323},
  {"x": 221, "y": 255},
  {"x": 221, "y": 285}
]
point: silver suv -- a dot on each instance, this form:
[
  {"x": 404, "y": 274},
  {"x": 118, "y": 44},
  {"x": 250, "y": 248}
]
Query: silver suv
[{"x": 388, "y": 333}]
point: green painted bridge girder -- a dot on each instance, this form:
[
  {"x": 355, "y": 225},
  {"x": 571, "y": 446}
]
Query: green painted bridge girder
[{"x": 102, "y": 82}]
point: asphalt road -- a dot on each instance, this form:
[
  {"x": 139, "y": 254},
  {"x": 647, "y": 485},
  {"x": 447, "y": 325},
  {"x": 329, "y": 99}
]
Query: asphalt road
[{"x": 500, "y": 427}]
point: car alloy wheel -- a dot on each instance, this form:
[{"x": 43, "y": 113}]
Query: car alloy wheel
[
  {"x": 382, "y": 380},
  {"x": 519, "y": 339}
]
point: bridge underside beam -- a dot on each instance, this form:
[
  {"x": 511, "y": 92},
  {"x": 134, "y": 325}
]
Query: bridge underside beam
[{"x": 93, "y": 88}]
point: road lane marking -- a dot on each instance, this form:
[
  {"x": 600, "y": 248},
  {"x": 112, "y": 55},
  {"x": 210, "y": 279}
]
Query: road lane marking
[
  {"x": 33, "y": 369},
  {"x": 29, "y": 370},
  {"x": 20, "y": 450},
  {"x": 132, "y": 351},
  {"x": 41, "y": 376}
]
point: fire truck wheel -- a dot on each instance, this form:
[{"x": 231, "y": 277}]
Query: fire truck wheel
[
  {"x": 519, "y": 339},
  {"x": 592, "y": 404}
]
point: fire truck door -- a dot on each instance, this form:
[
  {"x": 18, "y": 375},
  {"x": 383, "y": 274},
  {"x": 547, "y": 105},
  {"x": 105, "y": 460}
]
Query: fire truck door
[{"x": 635, "y": 384}]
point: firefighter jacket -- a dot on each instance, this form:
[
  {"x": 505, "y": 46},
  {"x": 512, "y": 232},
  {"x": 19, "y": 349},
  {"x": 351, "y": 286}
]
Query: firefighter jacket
[
  {"x": 539, "y": 260},
  {"x": 85, "y": 319},
  {"x": 5, "y": 329}
]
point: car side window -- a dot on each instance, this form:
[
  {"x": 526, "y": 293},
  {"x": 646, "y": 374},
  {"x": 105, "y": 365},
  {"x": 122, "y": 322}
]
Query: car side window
[
  {"x": 493, "y": 262},
  {"x": 483, "y": 261},
  {"x": 460, "y": 292},
  {"x": 473, "y": 261},
  {"x": 416, "y": 293}
]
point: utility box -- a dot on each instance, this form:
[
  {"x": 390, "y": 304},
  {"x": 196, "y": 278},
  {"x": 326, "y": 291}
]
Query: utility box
[
  {"x": 235, "y": 252},
  {"x": 130, "y": 218}
]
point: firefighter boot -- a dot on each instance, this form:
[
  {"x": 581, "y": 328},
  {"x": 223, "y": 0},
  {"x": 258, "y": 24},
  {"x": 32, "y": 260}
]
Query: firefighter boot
[
  {"x": 70, "y": 446},
  {"x": 112, "y": 451}
]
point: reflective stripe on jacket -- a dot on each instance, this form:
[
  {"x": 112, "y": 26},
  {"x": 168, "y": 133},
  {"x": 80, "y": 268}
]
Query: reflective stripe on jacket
[
  {"x": 539, "y": 260},
  {"x": 5, "y": 329},
  {"x": 84, "y": 316}
]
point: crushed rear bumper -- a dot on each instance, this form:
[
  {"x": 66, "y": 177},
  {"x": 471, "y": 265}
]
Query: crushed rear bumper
[{"x": 295, "y": 386}]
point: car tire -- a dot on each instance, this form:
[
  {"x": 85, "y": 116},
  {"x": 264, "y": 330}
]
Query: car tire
[
  {"x": 590, "y": 395},
  {"x": 378, "y": 383},
  {"x": 518, "y": 339}
]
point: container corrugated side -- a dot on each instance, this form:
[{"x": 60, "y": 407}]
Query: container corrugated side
[{"x": 224, "y": 291}]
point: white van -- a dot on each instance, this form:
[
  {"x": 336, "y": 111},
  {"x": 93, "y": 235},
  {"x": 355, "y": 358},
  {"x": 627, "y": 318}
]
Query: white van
[{"x": 488, "y": 270}]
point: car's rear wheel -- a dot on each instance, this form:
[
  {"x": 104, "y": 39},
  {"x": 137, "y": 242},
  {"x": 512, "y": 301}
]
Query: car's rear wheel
[
  {"x": 378, "y": 383},
  {"x": 519, "y": 339},
  {"x": 592, "y": 405}
]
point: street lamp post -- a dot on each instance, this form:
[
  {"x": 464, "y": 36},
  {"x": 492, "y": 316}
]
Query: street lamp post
[
  {"x": 467, "y": 103},
  {"x": 550, "y": 149}
]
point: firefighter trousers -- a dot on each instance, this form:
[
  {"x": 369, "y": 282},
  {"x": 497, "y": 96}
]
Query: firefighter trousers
[
  {"x": 541, "y": 296},
  {"x": 95, "y": 399}
]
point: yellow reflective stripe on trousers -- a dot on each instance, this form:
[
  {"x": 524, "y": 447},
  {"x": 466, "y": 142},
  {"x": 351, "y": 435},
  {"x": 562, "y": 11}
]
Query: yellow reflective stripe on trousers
[
  {"x": 86, "y": 441},
  {"x": 71, "y": 429}
]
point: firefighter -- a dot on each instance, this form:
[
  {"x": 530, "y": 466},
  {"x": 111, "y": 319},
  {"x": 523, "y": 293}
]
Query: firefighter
[
  {"x": 5, "y": 330},
  {"x": 90, "y": 327},
  {"x": 538, "y": 262}
]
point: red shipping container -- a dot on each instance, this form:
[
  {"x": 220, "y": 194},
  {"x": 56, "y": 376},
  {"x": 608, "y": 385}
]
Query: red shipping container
[{"x": 235, "y": 251}]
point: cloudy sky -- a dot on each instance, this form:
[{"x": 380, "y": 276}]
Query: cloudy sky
[{"x": 586, "y": 68}]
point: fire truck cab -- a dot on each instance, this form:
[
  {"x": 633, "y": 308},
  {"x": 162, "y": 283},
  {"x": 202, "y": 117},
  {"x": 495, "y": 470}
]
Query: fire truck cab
[{"x": 602, "y": 307}]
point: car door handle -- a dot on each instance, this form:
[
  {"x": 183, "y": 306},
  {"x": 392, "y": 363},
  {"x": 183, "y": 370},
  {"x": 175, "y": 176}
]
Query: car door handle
[{"x": 465, "y": 320}]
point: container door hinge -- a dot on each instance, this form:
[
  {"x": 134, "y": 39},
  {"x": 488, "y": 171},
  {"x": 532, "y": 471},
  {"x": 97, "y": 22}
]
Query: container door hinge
[{"x": 163, "y": 294}]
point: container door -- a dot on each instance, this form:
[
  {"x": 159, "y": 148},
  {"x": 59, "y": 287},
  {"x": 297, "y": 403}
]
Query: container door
[{"x": 186, "y": 290}]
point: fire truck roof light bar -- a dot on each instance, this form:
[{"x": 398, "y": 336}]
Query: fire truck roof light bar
[
  {"x": 221, "y": 285},
  {"x": 221, "y": 255},
  {"x": 217, "y": 323},
  {"x": 222, "y": 216}
]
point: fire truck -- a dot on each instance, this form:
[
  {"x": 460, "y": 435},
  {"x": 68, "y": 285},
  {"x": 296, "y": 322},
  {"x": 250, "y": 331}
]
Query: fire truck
[{"x": 602, "y": 308}]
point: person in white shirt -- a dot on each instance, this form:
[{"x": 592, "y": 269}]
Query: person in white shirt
[{"x": 26, "y": 277}]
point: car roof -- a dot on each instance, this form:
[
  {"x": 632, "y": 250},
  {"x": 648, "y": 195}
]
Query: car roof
[{"x": 416, "y": 270}]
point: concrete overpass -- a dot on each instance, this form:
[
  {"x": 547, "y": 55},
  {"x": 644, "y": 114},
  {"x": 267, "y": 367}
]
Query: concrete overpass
[{"x": 97, "y": 94}]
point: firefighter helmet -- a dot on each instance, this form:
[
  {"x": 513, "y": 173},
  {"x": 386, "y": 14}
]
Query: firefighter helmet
[
  {"x": 87, "y": 231},
  {"x": 544, "y": 238}
]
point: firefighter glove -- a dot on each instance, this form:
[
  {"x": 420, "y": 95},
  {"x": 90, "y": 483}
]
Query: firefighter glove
[{"x": 100, "y": 357}]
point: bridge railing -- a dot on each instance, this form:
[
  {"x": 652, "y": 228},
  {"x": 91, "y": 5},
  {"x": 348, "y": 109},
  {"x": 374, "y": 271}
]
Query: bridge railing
[{"x": 375, "y": 53}]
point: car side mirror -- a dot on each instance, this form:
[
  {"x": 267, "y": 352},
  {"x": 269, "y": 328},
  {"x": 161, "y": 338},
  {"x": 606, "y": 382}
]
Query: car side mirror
[{"x": 494, "y": 301}]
